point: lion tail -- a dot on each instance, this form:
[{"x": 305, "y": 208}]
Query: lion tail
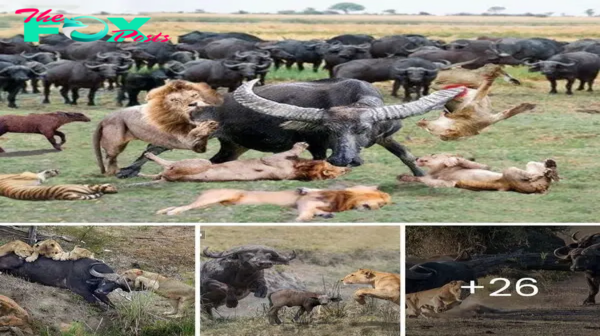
[
  {"x": 480, "y": 185},
  {"x": 97, "y": 149}
]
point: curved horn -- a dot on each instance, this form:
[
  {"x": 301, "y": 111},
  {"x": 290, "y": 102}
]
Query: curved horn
[
  {"x": 263, "y": 66},
  {"x": 57, "y": 55},
  {"x": 196, "y": 55},
  {"x": 208, "y": 254},
  {"x": 89, "y": 66},
  {"x": 265, "y": 53},
  {"x": 559, "y": 253},
  {"x": 31, "y": 56},
  {"x": 127, "y": 54},
  {"x": 100, "y": 55},
  {"x": 364, "y": 46},
  {"x": 428, "y": 103},
  {"x": 410, "y": 51},
  {"x": 108, "y": 276},
  {"x": 530, "y": 64},
  {"x": 460, "y": 44},
  {"x": 283, "y": 259},
  {"x": 169, "y": 66},
  {"x": 6, "y": 69},
  {"x": 230, "y": 65},
  {"x": 566, "y": 64},
  {"x": 240, "y": 54},
  {"x": 124, "y": 67},
  {"x": 247, "y": 98},
  {"x": 574, "y": 237},
  {"x": 31, "y": 67}
]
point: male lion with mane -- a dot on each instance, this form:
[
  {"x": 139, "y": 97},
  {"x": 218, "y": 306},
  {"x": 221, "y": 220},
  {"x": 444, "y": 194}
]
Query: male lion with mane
[{"x": 163, "y": 121}]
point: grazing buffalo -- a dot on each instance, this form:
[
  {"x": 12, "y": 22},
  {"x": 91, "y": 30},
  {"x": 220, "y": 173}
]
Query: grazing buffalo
[
  {"x": 344, "y": 115},
  {"x": 301, "y": 52},
  {"x": 13, "y": 78},
  {"x": 73, "y": 75},
  {"x": 580, "y": 65},
  {"x": 233, "y": 274},
  {"x": 432, "y": 275},
  {"x": 89, "y": 278},
  {"x": 222, "y": 73},
  {"x": 584, "y": 254},
  {"x": 341, "y": 53}
]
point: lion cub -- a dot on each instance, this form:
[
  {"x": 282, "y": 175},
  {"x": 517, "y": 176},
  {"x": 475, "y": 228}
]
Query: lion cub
[
  {"x": 17, "y": 247},
  {"x": 180, "y": 295},
  {"x": 437, "y": 300},
  {"x": 470, "y": 112}
]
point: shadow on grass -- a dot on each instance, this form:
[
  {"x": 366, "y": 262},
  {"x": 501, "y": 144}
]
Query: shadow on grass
[{"x": 28, "y": 153}]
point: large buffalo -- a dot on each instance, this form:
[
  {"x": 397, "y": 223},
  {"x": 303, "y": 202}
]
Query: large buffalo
[
  {"x": 232, "y": 275},
  {"x": 13, "y": 78},
  {"x": 344, "y": 115},
  {"x": 341, "y": 53},
  {"x": 584, "y": 254},
  {"x": 415, "y": 75},
  {"x": 532, "y": 49},
  {"x": 222, "y": 73},
  {"x": 580, "y": 65},
  {"x": 369, "y": 70},
  {"x": 399, "y": 45},
  {"x": 301, "y": 52},
  {"x": 89, "y": 278},
  {"x": 431, "y": 275}
]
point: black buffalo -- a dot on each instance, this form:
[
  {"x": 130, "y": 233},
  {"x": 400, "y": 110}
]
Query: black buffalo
[
  {"x": 13, "y": 78},
  {"x": 415, "y": 75},
  {"x": 341, "y": 53},
  {"x": 232, "y": 275},
  {"x": 398, "y": 45},
  {"x": 584, "y": 255},
  {"x": 222, "y": 73},
  {"x": 344, "y": 115},
  {"x": 580, "y": 65},
  {"x": 197, "y": 36},
  {"x": 73, "y": 75},
  {"x": 89, "y": 278},
  {"x": 351, "y": 39},
  {"x": 430, "y": 275},
  {"x": 301, "y": 52},
  {"x": 532, "y": 49},
  {"x": 369, "y": 70}
]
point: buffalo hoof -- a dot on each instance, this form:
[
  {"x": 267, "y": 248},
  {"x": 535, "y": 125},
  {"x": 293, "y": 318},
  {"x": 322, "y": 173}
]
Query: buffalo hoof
[
  {"x": 128, "y": 173},
  {"x": 231, "y": 304},
  {"x": 12, "y": 106},
  {"x": 91, "y": 104},
  {"x": 570, "y": 93},
  {"x": 45, "y": 101},
  {"x": 552, "y": 92}
]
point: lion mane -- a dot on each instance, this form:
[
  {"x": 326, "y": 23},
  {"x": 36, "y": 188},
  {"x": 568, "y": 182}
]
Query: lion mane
[
  {"x": 164, "y": 112},
  {"x": 344, "y": 200}
]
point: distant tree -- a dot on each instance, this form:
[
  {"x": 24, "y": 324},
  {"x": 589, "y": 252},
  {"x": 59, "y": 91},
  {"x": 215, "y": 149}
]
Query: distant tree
[
  {"x": 200, "y": 11},
  {"x": 390, "y": 11},
  {"x": 496, "y": 9},
  {"x": 424, "y": 13},
  {"x": 241, "y": 12},
  {"x": 311, "y": 11},
  {"x": 589, "y": 12},
  {"x": 549, "y": 13},
  {"x": 287, "y": 12},
  {"x": 347, "y": 7}
]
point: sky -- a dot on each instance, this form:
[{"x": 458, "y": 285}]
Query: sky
[{"x": 437, "y": 7}]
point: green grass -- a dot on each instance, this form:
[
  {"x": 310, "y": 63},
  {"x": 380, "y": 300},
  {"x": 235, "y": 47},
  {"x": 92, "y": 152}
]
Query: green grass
[{"x": 553, "y": 130}]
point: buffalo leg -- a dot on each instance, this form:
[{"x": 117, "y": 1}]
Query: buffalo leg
[
  {"x": 581, "y": 85},
  {"x": 91, "y": 96},
  {"x": 74, "y": 95},
  {"x": 553, "y": 86},
  {"x": 64, "y": 92},
  {"x": 12, "y": 97},
  {"x": 316, "y": 66},
  {"x": 593, "y": 285},
  {"x": 426, "y": 90},
  {"x": 277, "y": 64},
  {"x": 407, "y": 97},
  {"x": 590, "y": 84},
  {"x": 569, "y": 86},
  {"x": 402, "y": 153},
  {"x": 207, "y": 310},
  {"x": 395, "y": 88},
  {"x": 34, "y": 85},
  {"x": 300, "y": 66},
  {"x": 134, "y": 169},
  {"x": 46, "y": 92},
  {"x": 229, "y": 151},
  {"x": 24, "y": 88}
]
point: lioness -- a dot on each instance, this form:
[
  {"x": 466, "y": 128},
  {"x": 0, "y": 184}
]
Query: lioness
[
  {"x": 17, "y": 247},
  {"x": 470, "y": 112},
  {"x": 437, "y": 300},
  {"x": 163, "y": 121},
  {"x": 309, "y": 202},
  {"x": 386, "y": 286},
  {"x": 180, "y": 295},
  {"x": 281, "y": 166},
  {"x": 448, "y": 170}
]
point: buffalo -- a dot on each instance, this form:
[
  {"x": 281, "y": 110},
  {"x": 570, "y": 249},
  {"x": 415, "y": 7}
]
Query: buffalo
[
  {"x": 430, "y": 275},
  {"x": 73, "y": 75},
  {"x": 89, "y": 278},
  {"x": 341, "y": 53},
  {"x": 369, "y": 70},
  {"x": 233, "y": 274},
  {"x": 301, "y": 52},
  {"x": 398, "y": 45},
  {"x": 344, "y": 115},
  {"x": 222, "y": 73},
  {"x": 197, "y": 36},
  {"x": 584, "y": 254},
  {"x": 136, "y": 82},
  {"x": 532, "y": 49},
  {"x": 580, "y": 65},
  {"x": 351, "y": 39},
  {"x": 13, "y": 78},
  {"x": 414, "y": 74}
]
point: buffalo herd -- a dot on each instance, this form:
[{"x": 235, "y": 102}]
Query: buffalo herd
[{"x": 228, "y": 59}]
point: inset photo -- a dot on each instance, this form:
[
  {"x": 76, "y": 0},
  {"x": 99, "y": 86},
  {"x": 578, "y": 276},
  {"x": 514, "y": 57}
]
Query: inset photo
[
  {"x": 502, "y": 280},
  {"x": 298, "y": 280},
  {"x": 97, "y": 280}
]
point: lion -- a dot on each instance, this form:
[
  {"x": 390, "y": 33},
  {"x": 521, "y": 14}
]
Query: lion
[
  {"x": 14, "y": 316},
  {"x": 163, "y": 121},
  {"x": 470, "y": 112},
  {"x": 180, "y": 295},
  {"x": 469, "y": 77},
  {"x": 17, "y": 247},
  {"x": 47, "y": 248},
  {"x": 437, "y": 300},
  {"x": 309, "y": 202},
  {"x": 281, "y": 166},
  {"x": 75, "y": 254},
  {"x": 386, "y": 286},
  {"x": 450, "y": 170}
]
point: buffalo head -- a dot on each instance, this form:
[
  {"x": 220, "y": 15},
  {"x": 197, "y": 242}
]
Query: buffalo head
[
  {"x": 583, "y": 253},
  {"x": 252, "y": 257},
  {"x": 551, "y": 67},
  {"x": 42, "y": 57},
  {"x": 414, "y": 74},
  {"x": 16, "y": 72},
  {"x": 108, "y": 70},
  {"x": 106, "y": 282},
  {"x": 247, "y": 69},
  {"x": 349, "y": 128}
]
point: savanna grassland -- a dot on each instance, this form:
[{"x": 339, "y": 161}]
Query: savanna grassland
[{"x": 555, "y": 129}]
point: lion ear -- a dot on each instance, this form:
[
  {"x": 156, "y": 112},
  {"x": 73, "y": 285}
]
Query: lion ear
[
  {"x": 326, "y": 172},
  {"x": 369, "y": 274}
]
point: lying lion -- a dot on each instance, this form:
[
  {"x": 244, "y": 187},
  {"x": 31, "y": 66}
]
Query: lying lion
[
  {"x": 163, "y": 121},
  {"x": 309, "y": 202},
  {"x": 436, "y": 300},
  {"x": 180, "y": 295},
  {"x": 385, "y": 286},
  {"x": 48, "y": 248},
  {"x": 448, "y": 170},
  {"x": 470, "y": 112},
  {"x": 281, "y": 166}
]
